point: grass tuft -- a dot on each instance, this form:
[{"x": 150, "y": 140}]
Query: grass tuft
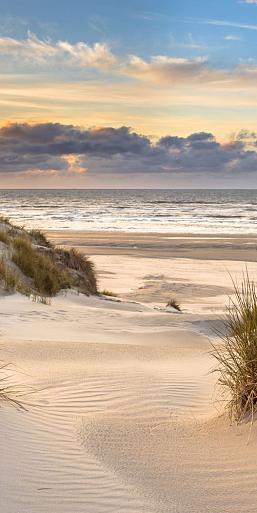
[
  {"x": 174, "y": 304},
  {"x": 8, "y": 277},
  {"x": 5, "y": 220},
  {"x": 9, "y": 393},
  {"x": 237, "y": 353},
  {"x": 47, "y": 278},
  {"x": 40, "y": 238},
  {"x": 4, "y": 237},
  {"x": 106, "y": 292},
  {"x": 81, "y": 268},
  {"x": 35, "y": 267}
]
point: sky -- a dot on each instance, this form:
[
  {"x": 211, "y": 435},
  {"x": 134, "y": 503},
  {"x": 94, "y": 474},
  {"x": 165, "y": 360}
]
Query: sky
[{"x": 138, "y": 93}]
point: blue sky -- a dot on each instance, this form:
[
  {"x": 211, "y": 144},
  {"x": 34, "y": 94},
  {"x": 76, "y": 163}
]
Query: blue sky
[
  {"x": 163, "y": 68},
  {"x": 139, "y": 26}
]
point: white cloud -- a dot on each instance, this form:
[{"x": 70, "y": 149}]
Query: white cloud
[
  {"x": 168, "y": 69},
  {"x": 33, "y": 55},
  {"x": 47, "y": 52},
  {"x": 232, "y": 38},
  {"x": 171, "y": 70},
  {"x": 225, "y": 23}
]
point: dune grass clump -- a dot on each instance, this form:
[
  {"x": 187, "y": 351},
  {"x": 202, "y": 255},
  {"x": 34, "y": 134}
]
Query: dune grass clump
[
  {"x": 32, "y": 265},
  {"x": 106, "y": 292},
  {"x": 84, "y": 276},
  {"x": 4, "y": 237},
  {"x": 11, "y": 281},
  {"x": 8, "y": 277},
  {"x": 10, "y": 225},
  {"x": 174, "y": 304},
  {"x": 40, "y": 238},
  {"x": 5, "y": 220},
  {"x": 237, "y": 354},
  {"x": 47, "y": 278}
]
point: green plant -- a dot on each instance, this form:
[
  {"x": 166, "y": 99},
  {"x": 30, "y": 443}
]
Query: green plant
[
  {"x": 237, "y": 353},
  {"x": 174, "y": 304}
]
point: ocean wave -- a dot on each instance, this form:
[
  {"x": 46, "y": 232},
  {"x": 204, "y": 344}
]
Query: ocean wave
[{"x": 141, "y": 211}]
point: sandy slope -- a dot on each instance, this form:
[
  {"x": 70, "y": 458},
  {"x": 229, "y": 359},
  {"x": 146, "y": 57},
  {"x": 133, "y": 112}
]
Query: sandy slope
[{"x": 123, "y": 416}]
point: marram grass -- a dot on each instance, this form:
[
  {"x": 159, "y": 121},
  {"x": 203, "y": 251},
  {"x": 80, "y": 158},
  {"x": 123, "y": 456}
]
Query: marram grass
[
  {"x": 11, "y": 394},
  {"x": 237, "y": 353},
  {"x": 106, "y": 292},
  {"x": 174, "y": 304}
]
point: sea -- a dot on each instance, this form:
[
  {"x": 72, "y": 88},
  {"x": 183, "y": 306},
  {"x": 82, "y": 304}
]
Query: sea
[{"x": 159, "y": 211}]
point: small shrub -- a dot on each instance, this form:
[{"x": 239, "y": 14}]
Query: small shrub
[
  {"x": 106, "y": 292},
  {"x": 174, "y": 304},
  {"x": 237, "y": 353}
]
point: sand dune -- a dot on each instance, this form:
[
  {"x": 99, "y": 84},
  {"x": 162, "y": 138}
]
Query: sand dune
[{"x": 122, "y": 410}]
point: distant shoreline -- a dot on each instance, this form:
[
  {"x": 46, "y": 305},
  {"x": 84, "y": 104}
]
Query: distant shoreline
[{"x": 160, "y": 245}]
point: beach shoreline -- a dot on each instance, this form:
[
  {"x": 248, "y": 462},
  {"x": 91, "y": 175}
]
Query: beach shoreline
[{"x": 156, "y": 245}]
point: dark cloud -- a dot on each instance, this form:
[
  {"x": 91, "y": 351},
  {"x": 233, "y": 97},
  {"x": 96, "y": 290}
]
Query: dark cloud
[
  {"x": 57, "y": 139},
  {"x": 70, "y": 149}
]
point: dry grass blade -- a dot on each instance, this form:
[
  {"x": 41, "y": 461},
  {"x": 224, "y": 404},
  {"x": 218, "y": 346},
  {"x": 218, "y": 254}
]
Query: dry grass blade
[
  {"x": 174, "y": 304},
  {"x": 237, "y": 353},
  {"x": 106, "y": 292},
  {"x": 9, "y": 393}
]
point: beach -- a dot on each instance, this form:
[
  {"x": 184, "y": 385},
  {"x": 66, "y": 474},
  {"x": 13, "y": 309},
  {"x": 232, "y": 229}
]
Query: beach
[
  {"x": 128, "y": 256},
  {"x": 122, "y": 412}
]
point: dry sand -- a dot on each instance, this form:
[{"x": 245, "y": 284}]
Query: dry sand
[{"x": 122, "y": 411}]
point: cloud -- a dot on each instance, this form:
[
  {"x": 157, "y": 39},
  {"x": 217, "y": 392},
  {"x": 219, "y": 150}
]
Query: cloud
[
  {"x": 34, "y": 55},
  {"x": 198, "y": 70},
  {"x": 46, "y": 52},
  {"x": 226, "y": 23},
  {"x": 188, "y": 42},
  {"x": 171, "y": 69},
  {"x": 55, "y": 146},
  {"x": 232, "y": 38},
  {"x": 249, "y": 2},
  {"x": 65, "y": 150}
]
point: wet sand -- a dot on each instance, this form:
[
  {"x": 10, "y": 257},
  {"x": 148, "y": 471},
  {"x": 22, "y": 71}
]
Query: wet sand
[{"x": 161, "y": 245}]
